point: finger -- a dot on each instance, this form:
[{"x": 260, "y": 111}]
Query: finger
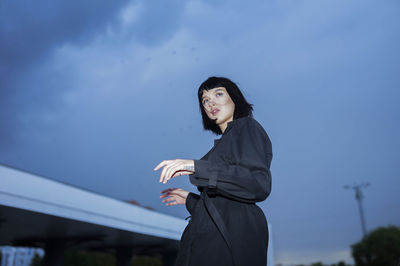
[
  {"x": 174, "y": 193},
  {"x": 166, "y": 167},
  {"x": 172, "y": 203},
  {"x": 170, "y": 194},
  {"x": 169, "y": 199},
  {"x": 178, "y": 170},
  {"x": 165, "y": 195},
  {"x": 167, "y": 189},
  {"x": 177, "y": 173},
  {"x": 163, "y": 163},
  {"x": 181, "y": 172},
  {"x": 166, "y": 179},
  {"x": 171, "y": 169},
  {"x": 179, "y": 193}
]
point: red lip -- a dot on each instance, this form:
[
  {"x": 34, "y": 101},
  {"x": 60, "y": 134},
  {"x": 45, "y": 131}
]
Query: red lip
[{"x": 214, "y": 112}]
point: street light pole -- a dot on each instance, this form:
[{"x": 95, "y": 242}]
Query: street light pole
[{"x": 359, "y": 197}]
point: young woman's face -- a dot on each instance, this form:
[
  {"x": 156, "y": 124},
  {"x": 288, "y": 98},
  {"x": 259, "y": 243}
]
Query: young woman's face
[{"x": 218, "y": 105}]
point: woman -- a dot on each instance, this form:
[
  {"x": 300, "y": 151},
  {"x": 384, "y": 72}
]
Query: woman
[{"x": 226, "y": 227}]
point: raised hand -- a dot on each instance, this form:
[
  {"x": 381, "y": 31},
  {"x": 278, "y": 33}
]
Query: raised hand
[
  {"x": 174, "y": 168},
  {"x": 174, "y": 196}
]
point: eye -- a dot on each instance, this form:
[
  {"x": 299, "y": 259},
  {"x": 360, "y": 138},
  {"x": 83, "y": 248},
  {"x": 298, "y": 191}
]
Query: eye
[
  {"x": 205, "y": 101},
  {"x": 220, "y": 93}
]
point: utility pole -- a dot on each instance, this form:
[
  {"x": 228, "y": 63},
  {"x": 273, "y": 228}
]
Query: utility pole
[{"x": 359, "y": 197}]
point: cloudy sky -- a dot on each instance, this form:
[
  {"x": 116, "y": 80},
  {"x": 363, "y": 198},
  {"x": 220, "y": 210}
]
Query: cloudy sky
[{"x": 96, "y": 93}]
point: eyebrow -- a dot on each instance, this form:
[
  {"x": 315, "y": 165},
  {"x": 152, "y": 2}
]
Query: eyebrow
[{"x": 202, "y": 97}]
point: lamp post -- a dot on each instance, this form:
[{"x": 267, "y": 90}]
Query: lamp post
[{"x": 359, "y": 197}]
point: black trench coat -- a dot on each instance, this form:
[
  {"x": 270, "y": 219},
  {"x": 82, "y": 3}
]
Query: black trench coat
[{"x": 226, "y": 226}]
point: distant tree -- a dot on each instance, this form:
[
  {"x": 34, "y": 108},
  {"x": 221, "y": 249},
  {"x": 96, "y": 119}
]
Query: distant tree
[
  {"x": 317, "y": 264},
  {"x": 379, "y": 247},
  {"x": 340, "y": 263},
  {"x": 37, "y": 260},
  {"x": 84, "y": 258},
  {"x": 146, "y": 261}
]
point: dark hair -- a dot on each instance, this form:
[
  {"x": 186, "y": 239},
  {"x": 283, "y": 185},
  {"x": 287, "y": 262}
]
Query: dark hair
[{"x": 242, "y": 107}]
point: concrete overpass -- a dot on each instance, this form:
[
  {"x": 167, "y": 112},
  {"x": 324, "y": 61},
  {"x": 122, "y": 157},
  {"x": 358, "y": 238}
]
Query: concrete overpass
[{"x": 35, "y": 211}]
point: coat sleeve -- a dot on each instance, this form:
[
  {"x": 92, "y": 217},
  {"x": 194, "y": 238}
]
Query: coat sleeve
[
  {"x": 191, "y": 201},
  {"x": 247, "y": 177}
]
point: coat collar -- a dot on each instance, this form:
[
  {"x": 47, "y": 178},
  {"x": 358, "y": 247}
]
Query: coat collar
[{"x": 228, "y": 127}]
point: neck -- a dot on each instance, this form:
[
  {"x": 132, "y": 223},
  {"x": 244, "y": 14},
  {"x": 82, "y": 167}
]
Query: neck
[{"x": 224, "y": 125}]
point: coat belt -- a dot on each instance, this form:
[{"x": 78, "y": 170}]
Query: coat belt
[{"x": 217, "y": 219}]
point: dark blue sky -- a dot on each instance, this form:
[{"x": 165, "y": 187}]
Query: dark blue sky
[{"x": 95, "y": 94}]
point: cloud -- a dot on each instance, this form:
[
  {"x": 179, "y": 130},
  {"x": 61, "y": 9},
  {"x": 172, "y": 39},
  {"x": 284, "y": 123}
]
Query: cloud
[
  {"x": 29, "y": 32},
  {"x": 99, "y": 105}
]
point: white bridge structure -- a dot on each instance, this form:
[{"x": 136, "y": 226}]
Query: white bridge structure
[{"x": 39, "y": 212}]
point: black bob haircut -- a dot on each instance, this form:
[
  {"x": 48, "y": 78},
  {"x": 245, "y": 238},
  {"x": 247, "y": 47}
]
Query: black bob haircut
[{"x": 242, "y": 107}]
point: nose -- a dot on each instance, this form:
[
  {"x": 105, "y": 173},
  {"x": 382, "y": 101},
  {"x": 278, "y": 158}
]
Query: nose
[{"x": 211, "y": 102}]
